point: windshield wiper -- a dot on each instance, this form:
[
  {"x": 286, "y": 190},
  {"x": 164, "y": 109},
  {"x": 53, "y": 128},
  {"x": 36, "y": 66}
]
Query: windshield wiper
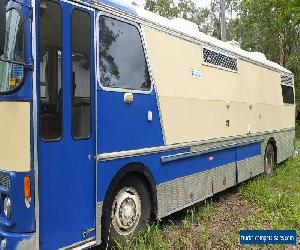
[
  {"x": 11, "y": 61},
  {"x": 26, "y": 66}
]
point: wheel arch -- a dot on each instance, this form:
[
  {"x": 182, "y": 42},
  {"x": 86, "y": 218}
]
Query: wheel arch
[{"x": 141, "y": 171}]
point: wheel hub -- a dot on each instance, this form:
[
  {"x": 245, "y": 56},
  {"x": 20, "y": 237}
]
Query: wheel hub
[
  {"x": 269, "y": 162},
  {"x": 126, "y": 211}
]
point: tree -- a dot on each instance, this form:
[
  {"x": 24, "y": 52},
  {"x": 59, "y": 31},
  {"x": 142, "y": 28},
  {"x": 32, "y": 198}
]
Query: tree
[
  {"x": 231, "y": 8},
  {"x": 269, "y": 26},
  {"x": 165, "y": 8},
  {"x": 108, "y": 67}
]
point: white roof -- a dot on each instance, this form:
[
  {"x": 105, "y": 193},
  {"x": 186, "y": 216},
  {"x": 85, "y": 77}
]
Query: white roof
[{"x": 188, "y": 29}]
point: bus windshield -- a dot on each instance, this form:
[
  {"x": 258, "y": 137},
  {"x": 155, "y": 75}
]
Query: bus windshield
[{"x": 11, "y": 49}]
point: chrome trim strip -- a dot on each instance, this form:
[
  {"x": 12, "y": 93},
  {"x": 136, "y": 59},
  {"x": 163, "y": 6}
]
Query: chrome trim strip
[
  {"x": 99, "y": 207},
  {"x": 35, "y": 124},
  {"x": 152, "y": 150},
  {"x": 96, "y": 41},
  {"x": 79, "y": 4},
  {"x": 180, "y": 156},
  {"x": 137, "y": 152},
  {"x": 81, "y": 244}
]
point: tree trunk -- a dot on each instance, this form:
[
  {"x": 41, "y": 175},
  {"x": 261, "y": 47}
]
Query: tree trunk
[{"x": 281, "y": 49}]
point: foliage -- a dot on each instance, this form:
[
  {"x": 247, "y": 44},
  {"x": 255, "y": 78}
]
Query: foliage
[
  {"x": 165, "y": 8},
  {"x": 271, "y": 27},
  {"x": 278, "y": 196},
  {"x": 186, "y": 9}
]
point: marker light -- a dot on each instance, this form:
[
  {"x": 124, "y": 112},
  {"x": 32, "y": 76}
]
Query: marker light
[
  {"x": 27, "y": 192},
  {"x": 7, "y": 207}
]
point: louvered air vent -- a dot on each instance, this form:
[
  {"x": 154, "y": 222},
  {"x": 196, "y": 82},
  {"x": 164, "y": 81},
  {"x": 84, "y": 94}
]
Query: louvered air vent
[{"x": 220, "y": 60}]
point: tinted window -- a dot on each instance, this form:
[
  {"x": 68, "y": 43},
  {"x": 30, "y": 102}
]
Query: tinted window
[
  {"x": 288, "y": 94},
  {"x": 81, "y": 74},
  {"x": 51, "y": 96},
  {"x": 12, "y": 52},
  {"x": 122, "y": 60},
  {"x": 2, "y": 25}
]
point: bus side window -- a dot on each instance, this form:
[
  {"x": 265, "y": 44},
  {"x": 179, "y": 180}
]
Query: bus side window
[
  {"x": 287, "y": 94},
  {"x": 81, "y": 74},
  {"x": 50, "y": 71},
  {"x": 122, "y": 60}
]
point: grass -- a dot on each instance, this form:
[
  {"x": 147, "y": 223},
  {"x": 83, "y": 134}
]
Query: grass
[
  {"x": 269, "y": 202},
  {"x": 168, "y": 235},
  {"x": 279, "y": 196}
]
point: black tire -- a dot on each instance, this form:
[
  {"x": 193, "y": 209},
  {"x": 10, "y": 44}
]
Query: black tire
[
  {"x": 269, "y": 160},
  {"x": 111, "y": 232}
]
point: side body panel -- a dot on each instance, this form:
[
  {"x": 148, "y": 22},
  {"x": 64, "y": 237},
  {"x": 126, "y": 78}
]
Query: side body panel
[
  {"x": 125, "y": 126},
  {"x": 194, "y": 109}
]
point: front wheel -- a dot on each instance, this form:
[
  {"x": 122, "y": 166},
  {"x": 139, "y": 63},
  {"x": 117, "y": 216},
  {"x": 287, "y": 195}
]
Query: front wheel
[
  {"x": 269, "y": 160},
  {"x": 127, "y": 211}
]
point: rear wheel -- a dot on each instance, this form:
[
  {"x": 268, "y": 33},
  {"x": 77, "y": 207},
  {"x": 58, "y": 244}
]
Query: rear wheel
[
  {"x": 269, "y": 160},
  {"x": 127, "y": 211}
]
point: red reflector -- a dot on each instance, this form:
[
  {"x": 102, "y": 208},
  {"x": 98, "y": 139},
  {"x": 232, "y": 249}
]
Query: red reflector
[{"x": 210, "y": 158}]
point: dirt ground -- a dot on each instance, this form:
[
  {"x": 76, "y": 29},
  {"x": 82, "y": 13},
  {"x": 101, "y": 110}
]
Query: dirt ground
[{"x": 221, "y": 227}]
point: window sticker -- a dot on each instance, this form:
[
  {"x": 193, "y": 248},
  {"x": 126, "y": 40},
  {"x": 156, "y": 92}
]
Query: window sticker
[
  {"x": 17, "y": 71},
  {"x": 12, "y": 82}
]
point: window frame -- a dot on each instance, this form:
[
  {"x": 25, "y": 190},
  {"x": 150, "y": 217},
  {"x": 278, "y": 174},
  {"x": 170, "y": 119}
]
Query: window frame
[
  {"x": 45, "y": 140},
  {"x": 24, "y": 64},
  {"x": 91, "y": 73},
  {"x": 141, "y": 34},
  {"x": 292, "y": 85},
  {"x": 288, "y": 103}
]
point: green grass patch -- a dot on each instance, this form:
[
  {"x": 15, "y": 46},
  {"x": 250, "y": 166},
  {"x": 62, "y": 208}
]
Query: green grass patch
[
  {"x": 171, "y": 236},
  {"x": 298, "y": 129},
  {"x": 151, "y": 239},
  {"x": 278, "y": 197}
]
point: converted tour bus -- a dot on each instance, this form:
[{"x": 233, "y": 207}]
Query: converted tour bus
[{"x": 111, "y": 114}]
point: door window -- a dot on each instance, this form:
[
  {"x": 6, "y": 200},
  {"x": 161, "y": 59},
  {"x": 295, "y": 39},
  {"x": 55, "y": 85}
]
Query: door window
[
  {"x": 122, "y": 60},
  {"x": 81, "y": 74},
  {"x": 51, "y": 97}
]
